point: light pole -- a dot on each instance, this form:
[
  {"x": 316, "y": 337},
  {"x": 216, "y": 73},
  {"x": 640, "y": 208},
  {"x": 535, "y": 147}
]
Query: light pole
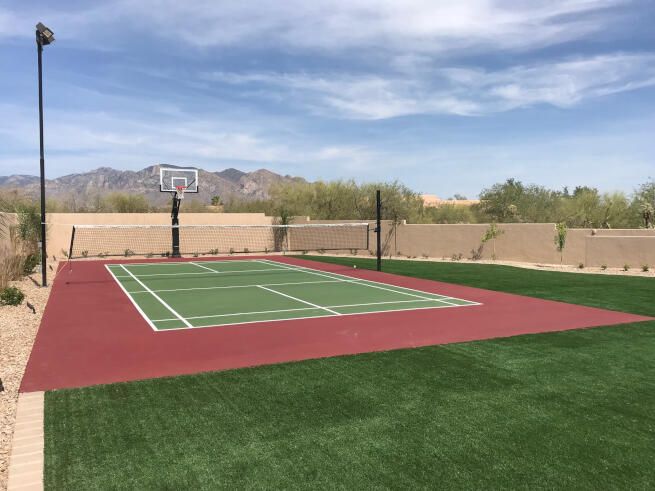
[{"x": 44, "y": 36}]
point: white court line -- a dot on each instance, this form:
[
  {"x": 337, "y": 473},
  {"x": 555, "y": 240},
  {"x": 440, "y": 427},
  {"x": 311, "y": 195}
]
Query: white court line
[
  {"x": 203, "y": 267},
  {"x": 188, "y": 324},
  {"x": 299, "y": 300},
  {"x": 236, "y": 286},
  {"x": 358, "y": 281},
  {"x": 308, "y": 308},
  {"x": 239, "y": 313},
  {"x": 177, "y": 263},
  {"x": 136, "y": 305},
  {"x": 449, "y": 306},
  {"x": 201, "y": 273}
]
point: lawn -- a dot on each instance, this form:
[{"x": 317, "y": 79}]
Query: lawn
[{"x": 560, "y": 410}]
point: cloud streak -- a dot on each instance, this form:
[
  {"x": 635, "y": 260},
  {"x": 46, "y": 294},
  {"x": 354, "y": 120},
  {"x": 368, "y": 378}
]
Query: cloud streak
[{"x": 458, "y": 91}]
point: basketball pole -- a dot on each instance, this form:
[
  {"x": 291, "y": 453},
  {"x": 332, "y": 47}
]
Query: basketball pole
[{"x": 176, "y": 222}]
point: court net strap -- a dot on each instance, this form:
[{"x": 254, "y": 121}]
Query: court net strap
[{"x": 156, "y": 240}]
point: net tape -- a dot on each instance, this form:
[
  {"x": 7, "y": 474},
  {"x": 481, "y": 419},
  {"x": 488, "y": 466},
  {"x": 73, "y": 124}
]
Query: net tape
[{"x": 155, "y": 240}]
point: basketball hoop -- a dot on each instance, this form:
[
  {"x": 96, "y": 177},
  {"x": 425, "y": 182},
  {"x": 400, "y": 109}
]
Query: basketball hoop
[{"x": 179, "y": 194}]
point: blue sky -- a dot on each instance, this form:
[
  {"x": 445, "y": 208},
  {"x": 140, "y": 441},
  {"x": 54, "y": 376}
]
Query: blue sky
[{"x": 446, "y": 96}]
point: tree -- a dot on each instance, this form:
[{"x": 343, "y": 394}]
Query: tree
[
  {"x": 647, "y": 213},
  {"x": 492, "y": 233},
  {"x": 216, "y": 200},
  {"x": 560, "y": 239}
]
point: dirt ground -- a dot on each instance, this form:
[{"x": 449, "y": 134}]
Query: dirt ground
[{"x": 18, "y": 327}]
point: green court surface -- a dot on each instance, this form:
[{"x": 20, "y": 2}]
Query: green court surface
[{"x": 191, "y": 294}]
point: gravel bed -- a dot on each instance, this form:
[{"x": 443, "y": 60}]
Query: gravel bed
[{"x": 18, "y": 327}]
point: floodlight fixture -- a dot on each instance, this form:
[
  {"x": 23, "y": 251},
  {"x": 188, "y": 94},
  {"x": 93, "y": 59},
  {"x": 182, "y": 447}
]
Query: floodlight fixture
[{"x": 44, "y": 36}]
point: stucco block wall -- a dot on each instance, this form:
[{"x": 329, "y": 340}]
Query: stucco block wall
[
  {"x": 519, "y": 242},
  {"x": 616, "y": 251},
  {"x": 60, "y": 225},
  {"x": 529, "y": 242}
]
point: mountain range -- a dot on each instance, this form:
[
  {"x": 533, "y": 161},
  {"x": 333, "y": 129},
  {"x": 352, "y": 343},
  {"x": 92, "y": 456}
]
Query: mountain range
[{"x": 228, "y": 184}]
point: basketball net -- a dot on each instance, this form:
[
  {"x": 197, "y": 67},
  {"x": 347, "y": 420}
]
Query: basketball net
[{"x": 179, "y": 194}]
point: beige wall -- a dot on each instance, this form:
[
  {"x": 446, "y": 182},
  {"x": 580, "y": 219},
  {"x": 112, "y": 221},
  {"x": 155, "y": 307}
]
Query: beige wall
[
  {"x": 616, "y": 251},
  {"x": 60, "y": 225},
  {"x": 529, "y": 242}
]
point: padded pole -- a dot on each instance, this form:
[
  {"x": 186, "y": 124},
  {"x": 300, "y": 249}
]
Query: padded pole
[{"x": 175, "y": 230}]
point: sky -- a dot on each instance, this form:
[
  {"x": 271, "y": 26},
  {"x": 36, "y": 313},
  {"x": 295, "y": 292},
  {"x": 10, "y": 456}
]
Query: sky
[{"x": 445, "y": 96}]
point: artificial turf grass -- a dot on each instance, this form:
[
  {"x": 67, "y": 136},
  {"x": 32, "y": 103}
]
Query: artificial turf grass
[
  {"x": 565, "y": 409},
  {"x": 631, "y": 294}
]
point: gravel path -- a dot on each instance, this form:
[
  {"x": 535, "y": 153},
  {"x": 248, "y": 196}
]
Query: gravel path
[{"x": 18, "y": 327}]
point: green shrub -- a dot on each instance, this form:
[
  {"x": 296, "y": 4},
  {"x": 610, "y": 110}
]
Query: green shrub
[
  {"x": 581, "y": 266},
  {"x": 30, "y": 263},
  {"x": 644, "y": 268},
  {"x": 626, "y": 267},
  {"x": 11, "y": 296},
  {"x": 603, "y": 267}
]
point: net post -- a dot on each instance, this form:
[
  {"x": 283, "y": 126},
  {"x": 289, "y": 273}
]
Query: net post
[
  {"x": 378, "y": 230},
  {"x": 70, "y": 250}
]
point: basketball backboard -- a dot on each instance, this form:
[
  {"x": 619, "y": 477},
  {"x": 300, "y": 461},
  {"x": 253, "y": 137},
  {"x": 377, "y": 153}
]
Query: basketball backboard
[{"x": 170, "y": 178}]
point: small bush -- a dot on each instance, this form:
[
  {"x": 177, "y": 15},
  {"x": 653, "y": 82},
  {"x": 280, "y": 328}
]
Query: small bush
[
  {"x": 603, "y": 267},
  {"x": 246, "y": 250},
  {"x": 626, "y": 267},
  {"x": 456, "y": 257},
  {"x": 581, "y": 266},
  {"x": 353, "y": 252},
  {"x": 149, "y": 255},
  {"x": 85, "y": 253},
  {"x": 11, "y": 296},
  {"x": 231, "y": 250},
  {"x": 128, "y": 252},
  {"x": 476, "y": 255},
  {"x": 195, "y": 254},
  {"x": 644, "y": 268},
  {"x": 424, "y": 255},
  {"x": 31, "y": 260}
]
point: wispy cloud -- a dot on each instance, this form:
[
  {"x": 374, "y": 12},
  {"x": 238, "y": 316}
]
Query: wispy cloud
[
  {"x": 460, "y": 91},
  {"x": 425, "y": 26}
]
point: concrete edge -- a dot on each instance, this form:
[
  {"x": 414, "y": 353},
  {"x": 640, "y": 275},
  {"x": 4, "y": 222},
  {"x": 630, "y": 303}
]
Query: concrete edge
[{"x": 26, "y": 461}]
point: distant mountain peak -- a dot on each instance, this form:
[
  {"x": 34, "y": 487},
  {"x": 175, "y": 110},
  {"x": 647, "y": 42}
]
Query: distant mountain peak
[
  {"x": 230, "y": 183},
  {"x": 231, "y": 174}
]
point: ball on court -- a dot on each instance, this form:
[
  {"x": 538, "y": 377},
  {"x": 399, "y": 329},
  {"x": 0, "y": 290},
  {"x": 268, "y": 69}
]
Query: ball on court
[{"x": 354, "y": 266}]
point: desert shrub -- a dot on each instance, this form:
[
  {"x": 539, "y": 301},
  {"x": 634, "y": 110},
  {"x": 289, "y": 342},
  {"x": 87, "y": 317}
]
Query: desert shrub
[
  {"x": 476, "y": 255},
  {"x": 128, "y": 252},
  {"x": 30, "y": 262},
  {"x": 11, "y": 295},
  {"x": 626, "y": 267},
  {"x": 456, "y": 257},
  {"x": 603, "y": 267},
  {"x": 581, "y": 266},
  {"x": 644, "y": 268}
]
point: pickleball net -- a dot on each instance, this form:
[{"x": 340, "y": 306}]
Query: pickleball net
[{"x": 156, "y": 240}]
